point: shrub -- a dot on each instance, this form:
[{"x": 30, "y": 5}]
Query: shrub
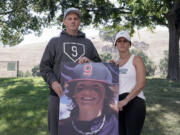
[
  {"x": 36, "y": 71},
  {"x": 163, "y": 65},
  {"x": 27, "y": 74},
  {"x": 22, "y": 74},
  {"x": 106, "y": 57},
  {"x": 150, "y": 66}
]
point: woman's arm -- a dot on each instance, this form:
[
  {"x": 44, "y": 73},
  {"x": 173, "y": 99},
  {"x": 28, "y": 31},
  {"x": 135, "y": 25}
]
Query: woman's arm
[{"x": 140, "y": 81}]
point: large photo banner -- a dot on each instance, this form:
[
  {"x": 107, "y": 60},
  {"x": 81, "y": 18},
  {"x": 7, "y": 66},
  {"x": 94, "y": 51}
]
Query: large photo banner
[{"x": 89, "y": 103}]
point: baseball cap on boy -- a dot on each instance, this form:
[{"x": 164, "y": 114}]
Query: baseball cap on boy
[
  {"x": 92, "y": 72},
  {"x": 72, "y": 10},
  {"x": 124, "y": 34}
]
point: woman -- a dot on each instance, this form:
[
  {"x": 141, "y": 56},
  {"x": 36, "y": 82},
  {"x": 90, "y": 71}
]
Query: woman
[
  {"x": 132, "y": 80},
  {"x": 92, "y": 97}
]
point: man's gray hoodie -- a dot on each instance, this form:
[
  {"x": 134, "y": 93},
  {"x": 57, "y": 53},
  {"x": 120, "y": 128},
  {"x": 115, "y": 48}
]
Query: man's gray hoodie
[{"x": 66, "y": 48}]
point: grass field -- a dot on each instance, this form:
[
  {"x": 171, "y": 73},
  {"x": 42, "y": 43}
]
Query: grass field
[
  {"x": 23, "y": 106},
  {"x": 24, "y": 101}
]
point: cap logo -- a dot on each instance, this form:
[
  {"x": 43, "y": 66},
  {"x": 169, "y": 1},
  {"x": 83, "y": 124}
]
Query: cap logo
[{"x": 87, "y": 70}]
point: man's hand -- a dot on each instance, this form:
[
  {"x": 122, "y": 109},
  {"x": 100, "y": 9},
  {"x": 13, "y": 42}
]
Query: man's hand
[
  {"x": 114, "y": 62},
  {"x": 84, "y": 60},
  {"x": 56, "y": 86}
]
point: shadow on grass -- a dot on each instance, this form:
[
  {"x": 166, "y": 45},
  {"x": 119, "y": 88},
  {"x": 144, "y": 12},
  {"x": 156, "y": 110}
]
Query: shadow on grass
[
  {"x": 24, "y": 101},
  {"x": 23, "y": 106},
  {"x": 163, "y": 107}
]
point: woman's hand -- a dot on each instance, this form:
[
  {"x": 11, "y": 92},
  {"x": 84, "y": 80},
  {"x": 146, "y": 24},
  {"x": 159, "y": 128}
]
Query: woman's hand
[{"x": 122, "y": 103}]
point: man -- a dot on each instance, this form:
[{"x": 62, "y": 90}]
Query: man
[
  {"x": 92, "y": 95},
  {"x": 72, "y": 46}
]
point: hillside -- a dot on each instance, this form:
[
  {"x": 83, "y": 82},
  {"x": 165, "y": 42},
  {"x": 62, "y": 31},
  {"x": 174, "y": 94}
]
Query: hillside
[
  {"x": 30, "y": 55},
  {"x": 158, "y": 43},
  {"x": 27, "y": 55}
]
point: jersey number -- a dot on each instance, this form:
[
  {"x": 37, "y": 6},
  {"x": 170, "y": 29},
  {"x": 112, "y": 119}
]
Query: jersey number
[{"x": 74, "y": 50}]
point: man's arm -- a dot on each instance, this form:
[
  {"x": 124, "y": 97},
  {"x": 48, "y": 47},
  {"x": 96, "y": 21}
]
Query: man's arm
[
  {"x": 46, "y": 64},
  {"x": 46, "y": 68}
]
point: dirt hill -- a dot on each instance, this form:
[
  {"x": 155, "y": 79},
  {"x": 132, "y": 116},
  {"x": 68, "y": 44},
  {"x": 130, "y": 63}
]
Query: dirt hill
[
  {"x": 27, "y": 55},
  {"x": 30, "y": 55}
]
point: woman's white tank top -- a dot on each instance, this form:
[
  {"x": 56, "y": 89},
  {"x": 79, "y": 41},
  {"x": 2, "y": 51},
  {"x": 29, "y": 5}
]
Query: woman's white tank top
[{"x": 127, "y": 78}]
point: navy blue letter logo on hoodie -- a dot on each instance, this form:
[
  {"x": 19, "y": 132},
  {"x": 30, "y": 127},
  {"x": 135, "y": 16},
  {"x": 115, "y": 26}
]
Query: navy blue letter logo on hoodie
[{"x": 74, "y": 50}]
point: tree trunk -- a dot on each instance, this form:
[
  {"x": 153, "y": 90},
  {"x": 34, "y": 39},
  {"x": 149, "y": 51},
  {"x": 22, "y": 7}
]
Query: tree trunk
[{"x": 173, "y": 62}]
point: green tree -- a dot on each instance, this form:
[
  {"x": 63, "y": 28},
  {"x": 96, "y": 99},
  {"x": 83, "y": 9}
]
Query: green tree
[
  {"x": 163, "y": 65},
  {"x": 144, "y": 13},
  {"x": 166, "y": 13},
  {"x": 19, "y": 17}
]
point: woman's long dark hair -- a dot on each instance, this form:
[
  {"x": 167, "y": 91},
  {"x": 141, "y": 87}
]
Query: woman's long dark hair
[{"x": 107, "y": 102}]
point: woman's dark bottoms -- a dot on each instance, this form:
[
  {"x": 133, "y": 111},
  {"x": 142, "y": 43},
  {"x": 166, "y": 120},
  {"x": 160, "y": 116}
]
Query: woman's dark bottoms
[{"x": 131, "y": 119}]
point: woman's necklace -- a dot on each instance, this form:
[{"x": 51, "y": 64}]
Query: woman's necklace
[{"x": 88, "y": 133}]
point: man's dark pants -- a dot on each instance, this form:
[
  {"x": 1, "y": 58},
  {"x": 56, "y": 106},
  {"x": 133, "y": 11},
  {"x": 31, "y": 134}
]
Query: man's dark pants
[{"x": 53, "y": 114}]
